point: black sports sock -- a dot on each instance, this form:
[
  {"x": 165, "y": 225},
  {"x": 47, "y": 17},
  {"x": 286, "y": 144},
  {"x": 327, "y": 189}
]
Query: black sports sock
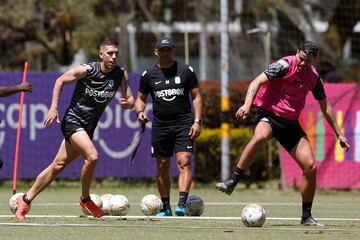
[
  {"x": 237, "y": 174},
  {"x": 166, "y": 202},
  {"x": 85, "y": 199},
  {"x": 306, "y": 209},
  {"x": 26, "y": 200},
  {"x": 182, "y": 198}
]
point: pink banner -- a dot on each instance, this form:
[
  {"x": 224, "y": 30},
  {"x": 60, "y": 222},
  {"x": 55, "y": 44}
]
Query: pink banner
[{"x": 337, "y": 168}]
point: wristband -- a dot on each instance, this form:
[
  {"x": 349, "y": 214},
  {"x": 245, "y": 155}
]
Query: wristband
[{"x": 197, "y": 120}]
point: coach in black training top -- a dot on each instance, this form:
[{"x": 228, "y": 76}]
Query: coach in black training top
[{"x": 174, "y": 126}]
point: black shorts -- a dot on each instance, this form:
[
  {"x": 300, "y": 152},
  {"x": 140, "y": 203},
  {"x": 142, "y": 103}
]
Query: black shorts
[
  {"x": 287, "y": 132},
  {"x": 69, "y": 128},
  {"x": 165, "y": 139}
]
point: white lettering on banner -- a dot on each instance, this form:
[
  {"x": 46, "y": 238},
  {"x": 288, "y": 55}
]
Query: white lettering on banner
[
  {"x": 113, "y": 116},
  {"x": 12, "y": 118},
  {"x": 117, "y": 154},
  {"x": 105, "y": 122},
  {"x": 2, "y": 139},
  {"x": 34, "y": 124},
  {"x": 2, "y": 125}
]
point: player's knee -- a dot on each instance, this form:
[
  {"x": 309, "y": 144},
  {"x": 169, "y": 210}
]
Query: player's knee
[
  {"x": 310, "y": 168},
  {"x": 259, "y": 139},
  {"x": 92, "y": 158},
  {"x": 58, "y": 166},
  {"x": 184, "y": 164}
]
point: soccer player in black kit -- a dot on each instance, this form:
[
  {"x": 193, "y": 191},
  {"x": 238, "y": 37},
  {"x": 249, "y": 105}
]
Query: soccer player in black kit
[
  {"x": 174, "y": 128},
  {"x": 96, "y": 85}
]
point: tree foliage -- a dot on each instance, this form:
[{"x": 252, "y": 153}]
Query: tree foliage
[{"x": 49, "y": 33}]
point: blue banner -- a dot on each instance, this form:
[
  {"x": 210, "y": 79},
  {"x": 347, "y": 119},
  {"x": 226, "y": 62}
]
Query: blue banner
[{"x": 39, "y": 145}]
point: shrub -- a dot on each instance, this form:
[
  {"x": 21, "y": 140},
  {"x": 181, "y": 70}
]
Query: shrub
[
  {"x": 211, "y": 95},
  {"x": 208, "y": 156}
]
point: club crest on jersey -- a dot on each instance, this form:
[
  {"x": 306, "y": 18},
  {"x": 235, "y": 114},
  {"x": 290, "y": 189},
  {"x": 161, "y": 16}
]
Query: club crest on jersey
[
  {"x": 111, "y": 83},
  {"x": 177, "y": 80}
]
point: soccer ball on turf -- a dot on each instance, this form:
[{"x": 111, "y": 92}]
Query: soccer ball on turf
[
  {"x": 96, "y": 199},
  {"x": 253, "y": 215},
  {"x": 194, "y": 205},
  {"x": 119, "y": 205},
  {"x": 105, "y": 203},
  {"x": 150, "y": 204},
  {"x": 13, "y": 202}
]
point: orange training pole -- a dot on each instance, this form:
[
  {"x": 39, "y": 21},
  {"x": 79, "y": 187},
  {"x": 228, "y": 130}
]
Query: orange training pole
[{"x": 17, "y": 146}]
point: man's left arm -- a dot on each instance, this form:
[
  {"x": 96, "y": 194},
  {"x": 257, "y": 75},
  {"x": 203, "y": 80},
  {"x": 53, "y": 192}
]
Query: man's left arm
[
  {"x": 197, "y": 105},
  {"x": 319, "y": 94},
  {"x": 330, "y": 118},
  {"x": 127, "y": 100}
]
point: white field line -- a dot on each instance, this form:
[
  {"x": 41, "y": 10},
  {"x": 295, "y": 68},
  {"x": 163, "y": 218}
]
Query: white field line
[
  {"x": 178, "y": 218},
  {"x": 211, "y": 204},
  {"x": 137, "y": 226}
]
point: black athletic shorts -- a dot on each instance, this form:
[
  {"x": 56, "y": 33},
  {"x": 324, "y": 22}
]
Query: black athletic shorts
[
  {"x": 165, "y": 139},
  {"x": 69, "y": 128},
  {"x": 287, "y": 132}
]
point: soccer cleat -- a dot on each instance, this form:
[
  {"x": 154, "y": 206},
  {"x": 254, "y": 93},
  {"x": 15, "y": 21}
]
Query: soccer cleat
[
  {"x": 226, "y": 187},
  {"x": 92, "y": 208},
  {"x": 22, "y": 209},
  {"x": 310, "y": 221},
  {"x": 181, "y": 211},
  {"x": 164, "y": 213}
]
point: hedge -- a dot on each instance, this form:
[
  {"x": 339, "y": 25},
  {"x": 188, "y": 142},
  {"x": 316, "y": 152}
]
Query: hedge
[{"x": 208, "y": 156}]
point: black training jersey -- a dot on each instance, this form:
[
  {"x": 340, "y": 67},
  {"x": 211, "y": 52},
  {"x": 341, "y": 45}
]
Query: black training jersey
[
  {"x": 92, "y": 94},
  {"x": 170, "y": 89}
]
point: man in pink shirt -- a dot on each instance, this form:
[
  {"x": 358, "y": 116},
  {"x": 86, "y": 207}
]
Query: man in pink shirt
[{"x": 279, "y": 95}]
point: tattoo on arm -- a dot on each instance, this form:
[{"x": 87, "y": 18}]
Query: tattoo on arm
[{"x": 250, "y": 94}]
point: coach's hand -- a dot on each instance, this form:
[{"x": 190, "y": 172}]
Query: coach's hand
[
  {"x": 142, "y": 118},
  {"x": 51, "y": 116},
  {"x": 195, "y": 130}
]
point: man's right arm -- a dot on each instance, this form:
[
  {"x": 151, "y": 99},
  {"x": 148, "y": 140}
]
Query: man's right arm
[
  {"x": 68, "y": 77},
  {"x": 254, "y": 87},
  {"x": 140, "y": 102}
]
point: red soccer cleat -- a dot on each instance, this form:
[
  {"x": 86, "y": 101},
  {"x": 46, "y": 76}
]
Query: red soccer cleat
[
  {"x": 22, "y": 209},
  {"x": 92, "y": 208}
]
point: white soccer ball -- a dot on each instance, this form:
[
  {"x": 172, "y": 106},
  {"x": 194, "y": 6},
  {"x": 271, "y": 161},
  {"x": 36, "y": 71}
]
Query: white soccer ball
[
  {"x": 150, "y": 204},
  {"x": 105, "y": 203},
  {"x": 119, "y": 205},
  {"x": 13, "y": 202},
  {"x": 194, "y": 205},
  {"x": 96, "y": 199},
  {"x": 253, "y": 215}
]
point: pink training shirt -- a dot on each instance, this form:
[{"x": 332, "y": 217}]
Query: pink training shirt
[{"x": 285, "y": 97}]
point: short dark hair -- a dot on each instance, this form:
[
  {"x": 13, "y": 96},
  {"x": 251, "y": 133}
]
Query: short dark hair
[
  {"x": 309, "y": 48},
  {"x": 109, "y": 41}
]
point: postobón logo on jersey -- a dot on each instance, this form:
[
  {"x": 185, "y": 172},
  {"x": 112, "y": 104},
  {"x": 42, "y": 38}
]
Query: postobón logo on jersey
[
  {"x": 169, "y": 94},
  {"x": 99, "y": 96}
]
